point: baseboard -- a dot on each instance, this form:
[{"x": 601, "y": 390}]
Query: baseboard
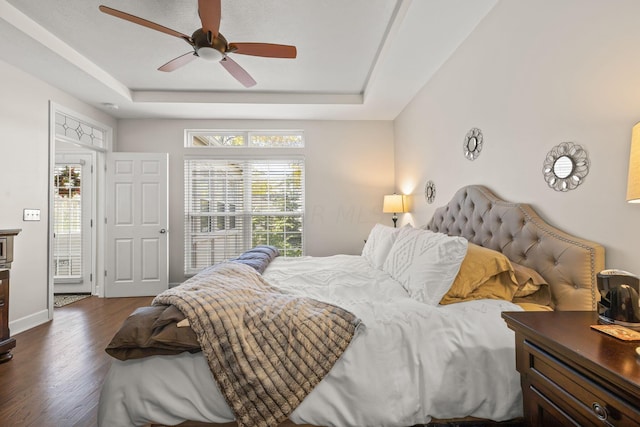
[
  {"x": 28, "y": 322},
  {"x": 174, "y": 284}
]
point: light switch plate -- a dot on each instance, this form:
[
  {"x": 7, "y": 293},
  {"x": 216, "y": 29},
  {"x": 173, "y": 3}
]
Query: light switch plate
[{"x": 31, "y": 215}]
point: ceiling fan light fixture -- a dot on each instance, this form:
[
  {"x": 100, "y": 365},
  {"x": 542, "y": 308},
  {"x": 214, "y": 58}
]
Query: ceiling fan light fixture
[
  {"x": 209, "y": 44},
  {"x": 210, "y": 54}
]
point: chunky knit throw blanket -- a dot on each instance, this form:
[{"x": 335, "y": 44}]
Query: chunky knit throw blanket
[{"x": 266, "y": 349}]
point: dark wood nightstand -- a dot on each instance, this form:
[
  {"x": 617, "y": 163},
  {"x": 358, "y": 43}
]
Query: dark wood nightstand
[{"x": 572, "y": 374}]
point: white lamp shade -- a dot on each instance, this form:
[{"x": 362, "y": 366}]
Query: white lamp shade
[
  {"x": 394, "y": 203},
  {"x": 633, "y": 181}
]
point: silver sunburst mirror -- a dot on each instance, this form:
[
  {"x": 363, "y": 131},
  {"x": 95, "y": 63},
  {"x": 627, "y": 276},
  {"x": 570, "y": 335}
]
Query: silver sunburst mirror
[
  {"x": 430, "y": 191},
  {"x": 472, "y": 145},
  {"x": 566, "y": 166}
]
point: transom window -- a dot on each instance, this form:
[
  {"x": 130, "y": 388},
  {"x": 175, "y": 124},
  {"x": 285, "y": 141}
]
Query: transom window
[
  {"x": 239, "y": 139},
  {"x": 79, "y": 131}
]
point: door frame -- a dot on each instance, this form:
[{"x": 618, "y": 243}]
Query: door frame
[{"x": 98, "y": 231}]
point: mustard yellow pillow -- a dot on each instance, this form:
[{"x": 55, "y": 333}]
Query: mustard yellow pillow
[
  {"x": 501, "y": 286},
  {"x": 482, "y": 267},
  {"x": 529, "y": 306},
  {"x": 529, "y": 280},
  {"x": 541, "y": 297},
  {"x": 532, "y": 287}
]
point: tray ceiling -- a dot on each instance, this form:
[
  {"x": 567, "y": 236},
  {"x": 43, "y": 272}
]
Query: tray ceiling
[{"x": 357, "y": 59}]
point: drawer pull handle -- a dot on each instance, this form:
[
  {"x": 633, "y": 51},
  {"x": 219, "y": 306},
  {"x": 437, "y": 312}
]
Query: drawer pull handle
[{"x": 600, "y": 411}]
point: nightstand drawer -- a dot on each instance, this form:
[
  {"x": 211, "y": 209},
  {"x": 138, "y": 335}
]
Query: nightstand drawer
[{"x": 571, "y": 395}]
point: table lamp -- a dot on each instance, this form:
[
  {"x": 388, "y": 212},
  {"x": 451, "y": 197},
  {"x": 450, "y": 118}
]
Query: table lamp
[
  {"x": 633, "y": 181},
  {"x": 394, "y": 203}
]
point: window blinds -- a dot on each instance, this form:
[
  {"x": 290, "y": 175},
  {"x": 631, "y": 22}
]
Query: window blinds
[
  {"x": 233, "y": 205},
  {"x": 67, "y": 205}
]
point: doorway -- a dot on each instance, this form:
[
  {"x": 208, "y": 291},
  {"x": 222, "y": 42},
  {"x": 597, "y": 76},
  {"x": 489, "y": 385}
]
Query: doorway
[
  {"x": 73, "y": 218},
  {"x": 77, "y": 146}
]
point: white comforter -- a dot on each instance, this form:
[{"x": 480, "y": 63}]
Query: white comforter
[{"x": 410, "y": 362}]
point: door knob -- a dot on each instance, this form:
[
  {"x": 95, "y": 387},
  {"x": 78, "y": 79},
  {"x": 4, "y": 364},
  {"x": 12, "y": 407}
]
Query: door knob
[{"x": 162, "y": 231}]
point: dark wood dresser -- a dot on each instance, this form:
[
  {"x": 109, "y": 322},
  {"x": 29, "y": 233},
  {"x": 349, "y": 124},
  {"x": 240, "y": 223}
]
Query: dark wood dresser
[
  {"x": 572, "y": 375},
  {"x": 6, "y": 258},
  {"x": 6, "y": 342}
]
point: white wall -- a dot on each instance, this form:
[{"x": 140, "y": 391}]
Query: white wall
[
  {"x": 24, "y": 169},
  {"x": 349, "y": 167},
  {"x": 535, "y": 74}
]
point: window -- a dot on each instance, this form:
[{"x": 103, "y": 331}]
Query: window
[
  {"x": 67, "y": 208},
  {"x": 244, "y": 139},
  {"x": 79, "y": 131},
  {"x": 233, "y": 205}
]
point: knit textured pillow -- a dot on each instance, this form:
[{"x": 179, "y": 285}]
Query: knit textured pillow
[{"x": 425, "y": 263}]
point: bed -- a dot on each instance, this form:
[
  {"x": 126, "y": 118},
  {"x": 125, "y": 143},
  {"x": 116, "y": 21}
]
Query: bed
[{"x": 407, "y": 354}]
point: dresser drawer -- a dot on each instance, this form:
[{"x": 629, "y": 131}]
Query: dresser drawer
[
  {"x": 4, "y": 287},
  {"x": 4, "y": 306},
  {"x": 570, "y": 393}
]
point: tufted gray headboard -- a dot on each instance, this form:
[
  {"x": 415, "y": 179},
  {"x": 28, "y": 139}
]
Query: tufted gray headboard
[{"x": 568, "y": 263}]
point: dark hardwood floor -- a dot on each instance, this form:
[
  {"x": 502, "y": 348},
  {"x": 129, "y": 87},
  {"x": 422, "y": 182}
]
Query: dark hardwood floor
[{"x": 56, "y": 373}]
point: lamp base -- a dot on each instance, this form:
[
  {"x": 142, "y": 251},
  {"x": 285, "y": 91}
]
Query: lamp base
[{"x": 395, "y": 220}]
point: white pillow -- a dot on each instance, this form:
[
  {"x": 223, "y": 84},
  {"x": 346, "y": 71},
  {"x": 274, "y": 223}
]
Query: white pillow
[
  {"x": 425, "y": 263},
  {"x": 379, "y": 244}
]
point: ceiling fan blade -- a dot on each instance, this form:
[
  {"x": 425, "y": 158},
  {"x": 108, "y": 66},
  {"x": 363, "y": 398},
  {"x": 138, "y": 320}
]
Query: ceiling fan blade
[
  {"x": 178, "y": 62},
  {"x": 264, "y": 49},
  {"x": 209, "y": 11},
  {"x": 237, "y": 72},
  {"x": 143, "y": 22}
]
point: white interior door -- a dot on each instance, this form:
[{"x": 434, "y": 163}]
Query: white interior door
[
  {"x": 137, "y": 220},
  {"x": 73, "y": 215}
]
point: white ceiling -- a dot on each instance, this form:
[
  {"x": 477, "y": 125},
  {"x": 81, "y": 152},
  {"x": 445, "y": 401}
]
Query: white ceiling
[{"x": 357, "y": 59}]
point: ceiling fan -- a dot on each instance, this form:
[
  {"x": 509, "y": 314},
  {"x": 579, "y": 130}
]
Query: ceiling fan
[{"x": 208, "y": 43}]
